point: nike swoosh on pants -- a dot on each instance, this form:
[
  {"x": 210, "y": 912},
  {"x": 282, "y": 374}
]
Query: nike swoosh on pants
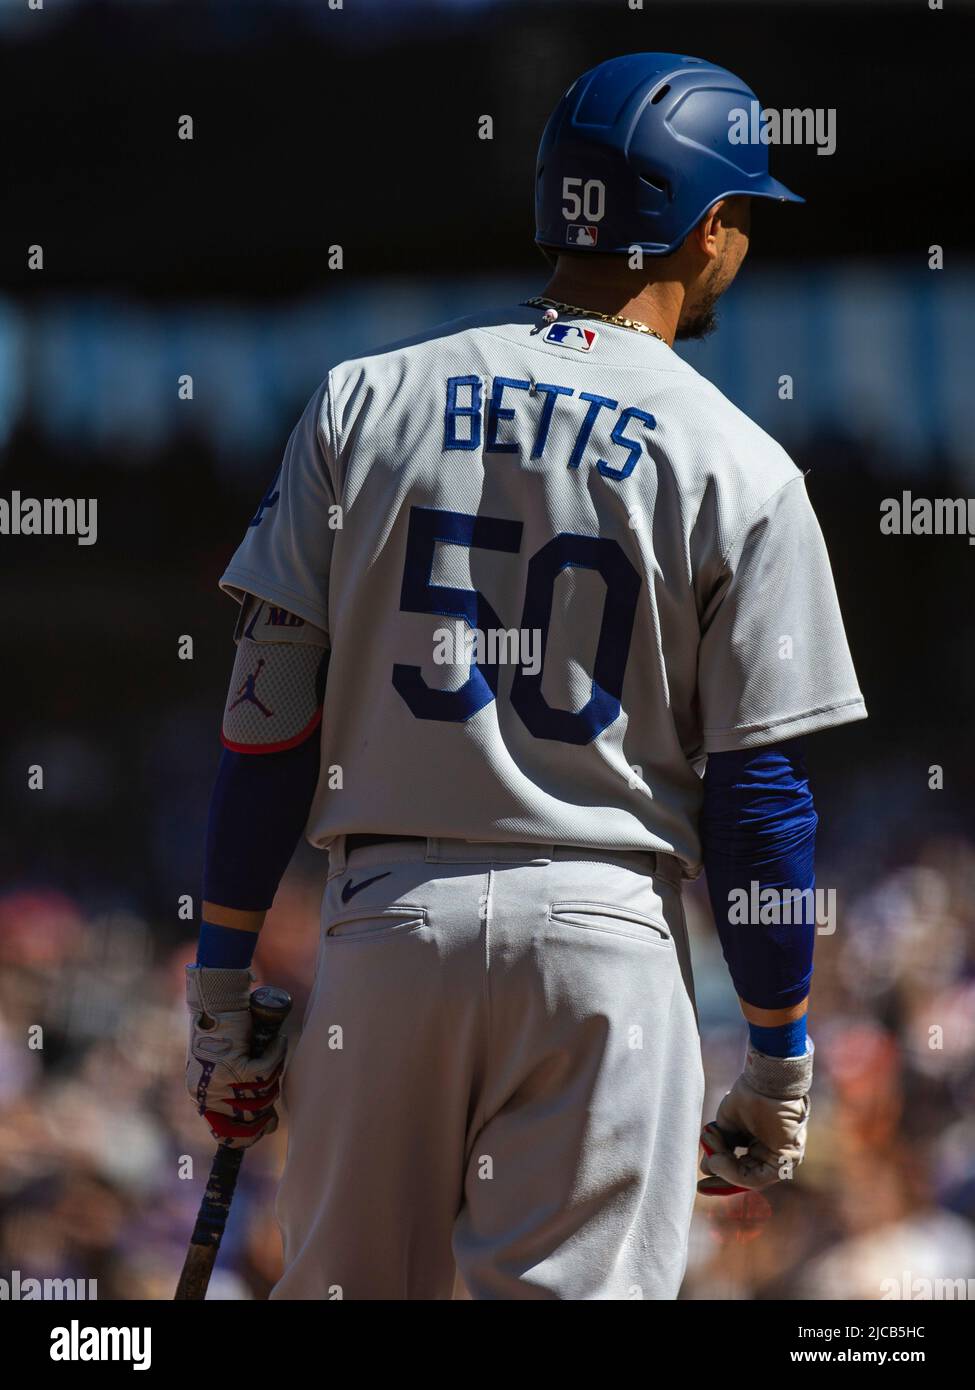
[{"x": 349, "y": 891}]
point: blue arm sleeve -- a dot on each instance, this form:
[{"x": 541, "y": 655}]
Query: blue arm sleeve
[
  {"x": 258, "y": 810},
  {"x": 758, "y": 827}
]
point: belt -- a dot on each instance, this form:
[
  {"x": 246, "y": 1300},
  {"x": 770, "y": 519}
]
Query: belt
[
  {"x": 362, "y": 841},
  {"x": 353, "y": 842}
]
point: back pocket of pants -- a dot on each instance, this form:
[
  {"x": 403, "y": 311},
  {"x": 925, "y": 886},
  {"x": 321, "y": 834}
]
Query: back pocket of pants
[
  {"x": 376, "y": 923},
  {"x": 611, "y": 919}
]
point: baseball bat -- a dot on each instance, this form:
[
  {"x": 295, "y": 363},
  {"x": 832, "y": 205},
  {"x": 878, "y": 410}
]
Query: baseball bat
[{"x": 269, "y": 1008}]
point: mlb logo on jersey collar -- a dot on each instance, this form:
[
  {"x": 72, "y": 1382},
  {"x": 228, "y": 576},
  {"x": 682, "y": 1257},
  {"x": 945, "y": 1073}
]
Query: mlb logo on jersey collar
[{"x": 572, "y": 336}]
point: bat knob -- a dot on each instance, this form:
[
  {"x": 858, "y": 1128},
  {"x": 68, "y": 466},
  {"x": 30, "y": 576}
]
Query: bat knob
[
  {"x": 270, "y": 1006},
  {"x": 271, "y": 1002}
]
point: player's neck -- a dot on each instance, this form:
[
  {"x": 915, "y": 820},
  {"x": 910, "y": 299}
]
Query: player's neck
[{"x": 658, "y": 305}]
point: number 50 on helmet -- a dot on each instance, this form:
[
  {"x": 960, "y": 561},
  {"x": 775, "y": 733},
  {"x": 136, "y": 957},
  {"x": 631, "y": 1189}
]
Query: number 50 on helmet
[{"x": 640, "y": 147}]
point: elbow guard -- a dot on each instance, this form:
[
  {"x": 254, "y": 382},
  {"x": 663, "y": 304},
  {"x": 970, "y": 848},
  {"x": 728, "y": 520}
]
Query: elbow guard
[
  {"x": 278, "y": 684},
  {"x": 260, "y": 804}
]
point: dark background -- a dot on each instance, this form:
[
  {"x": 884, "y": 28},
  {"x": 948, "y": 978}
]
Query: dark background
[{"x": 357, "y": 127}]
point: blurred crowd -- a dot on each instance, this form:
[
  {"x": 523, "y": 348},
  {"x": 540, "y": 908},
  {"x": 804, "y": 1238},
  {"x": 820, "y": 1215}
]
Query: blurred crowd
[
  {"x": 103, "y": 1162},
  {"x": 884, "y": 1205},
  {"x": 102, "y": 1159}
]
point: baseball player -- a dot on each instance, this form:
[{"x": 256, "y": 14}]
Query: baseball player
[{"x": 532, "y": 622}]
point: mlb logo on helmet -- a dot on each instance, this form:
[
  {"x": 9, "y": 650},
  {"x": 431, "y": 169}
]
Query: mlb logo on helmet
[
  {"x": 571, "y": 335},
  {"x": 580, "y": 235}
]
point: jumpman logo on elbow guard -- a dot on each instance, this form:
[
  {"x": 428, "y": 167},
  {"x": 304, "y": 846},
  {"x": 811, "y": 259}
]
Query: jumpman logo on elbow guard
[{"x": 247, "y": 693}]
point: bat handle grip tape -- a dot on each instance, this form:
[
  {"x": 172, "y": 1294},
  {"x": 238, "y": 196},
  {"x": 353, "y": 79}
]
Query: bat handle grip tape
[{"x": 219, "y": 1194}]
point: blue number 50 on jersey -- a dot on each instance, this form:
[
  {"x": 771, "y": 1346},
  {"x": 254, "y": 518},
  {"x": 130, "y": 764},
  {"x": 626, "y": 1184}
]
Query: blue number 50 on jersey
[{"x": 427, "y": 528}]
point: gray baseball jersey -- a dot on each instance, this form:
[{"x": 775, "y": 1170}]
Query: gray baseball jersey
[{"x": 557, "y": 567}]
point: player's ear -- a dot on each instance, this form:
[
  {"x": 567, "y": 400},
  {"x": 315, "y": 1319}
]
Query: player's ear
[{"x": 706, "y": 236}]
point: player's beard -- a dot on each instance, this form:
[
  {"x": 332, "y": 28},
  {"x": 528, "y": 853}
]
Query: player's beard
[{"x": 702, "y": 322}]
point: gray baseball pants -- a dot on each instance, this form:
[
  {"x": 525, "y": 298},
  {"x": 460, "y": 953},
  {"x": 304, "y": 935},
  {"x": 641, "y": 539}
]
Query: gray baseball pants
[{"x": 499, "y": 1078}]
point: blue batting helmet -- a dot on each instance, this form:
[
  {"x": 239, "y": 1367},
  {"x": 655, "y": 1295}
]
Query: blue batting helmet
[{"x": 639, "y": 149}]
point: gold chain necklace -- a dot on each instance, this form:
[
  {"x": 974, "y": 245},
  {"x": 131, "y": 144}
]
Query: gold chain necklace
[{"x": 539, "y": 301}]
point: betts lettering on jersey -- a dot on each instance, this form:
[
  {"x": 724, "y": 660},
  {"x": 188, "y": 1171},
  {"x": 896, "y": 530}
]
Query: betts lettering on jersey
[
  {"x": 505, "y": 429},
  {"x": 571, "y": 336}
]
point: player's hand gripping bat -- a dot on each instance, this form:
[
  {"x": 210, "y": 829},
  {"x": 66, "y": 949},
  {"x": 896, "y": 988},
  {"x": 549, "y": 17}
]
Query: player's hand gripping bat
[{"x": 269, "y": 1008}]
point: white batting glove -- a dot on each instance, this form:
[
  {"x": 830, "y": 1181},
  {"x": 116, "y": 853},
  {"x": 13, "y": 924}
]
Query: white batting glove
[
  {"x": 766, "y": 1113},
  {"x": 234, "y": 1091}
]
